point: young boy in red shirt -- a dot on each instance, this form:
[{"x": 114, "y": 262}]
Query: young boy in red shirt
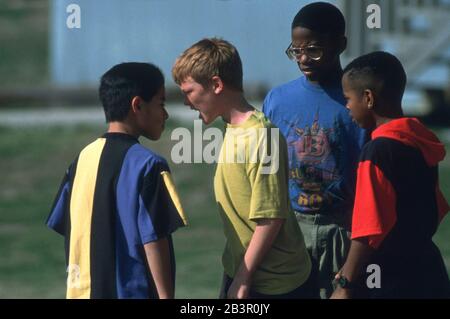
[{"x": 398, "y": 204}]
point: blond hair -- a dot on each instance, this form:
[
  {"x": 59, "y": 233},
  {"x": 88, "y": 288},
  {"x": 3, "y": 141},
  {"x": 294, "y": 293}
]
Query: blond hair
[{"x": 208, "y": 58}]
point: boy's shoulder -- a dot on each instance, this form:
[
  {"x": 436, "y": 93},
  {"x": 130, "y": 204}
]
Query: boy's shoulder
[
  {"x": 377, "y": 144},
  {"x": 300, "y": 93},
  {"x": 289, "y": 87},
  {"x": 144, "y": 155},
  {"x": 272, "y": 132},
  {"x": 134, "y": 154},
  {"x": 383, "y": 150},
  {"x": 260, "y": 121}
]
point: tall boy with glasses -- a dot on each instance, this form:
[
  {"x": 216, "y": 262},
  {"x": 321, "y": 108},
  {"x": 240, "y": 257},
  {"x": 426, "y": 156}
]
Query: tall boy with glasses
[{"x": 323, "y": 142}]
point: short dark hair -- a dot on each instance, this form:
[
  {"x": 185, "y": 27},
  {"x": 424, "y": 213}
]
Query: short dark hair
[
  {"x": 379, "y": 71},
  {"x": 120, "y": 84},
  {"x": 320, "y": 17}
]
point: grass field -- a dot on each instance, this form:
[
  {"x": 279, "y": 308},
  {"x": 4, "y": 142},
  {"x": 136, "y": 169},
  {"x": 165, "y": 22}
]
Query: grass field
[
  {"x": 32, "y": 163},
  {"x": 32, "y": 260},
  {"x": 24, "y": 55}
]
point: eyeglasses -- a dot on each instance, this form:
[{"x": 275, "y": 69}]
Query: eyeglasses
[{"x": 313, "y": 52}]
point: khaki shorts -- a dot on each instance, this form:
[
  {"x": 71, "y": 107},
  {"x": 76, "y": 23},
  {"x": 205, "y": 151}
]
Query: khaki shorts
[{"x": 328, "y": 242}]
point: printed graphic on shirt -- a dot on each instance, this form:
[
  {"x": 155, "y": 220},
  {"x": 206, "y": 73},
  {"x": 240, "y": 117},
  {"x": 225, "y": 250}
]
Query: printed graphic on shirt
[{"x": 312, "y": 166}]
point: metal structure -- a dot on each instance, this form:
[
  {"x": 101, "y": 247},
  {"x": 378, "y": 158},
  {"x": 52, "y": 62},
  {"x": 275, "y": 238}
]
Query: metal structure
[{"x": 417, "y": 32}]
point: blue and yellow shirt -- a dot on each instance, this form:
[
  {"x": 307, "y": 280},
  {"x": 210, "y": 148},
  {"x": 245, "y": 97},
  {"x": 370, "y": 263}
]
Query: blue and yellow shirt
[{"x": 115, "y": 197}]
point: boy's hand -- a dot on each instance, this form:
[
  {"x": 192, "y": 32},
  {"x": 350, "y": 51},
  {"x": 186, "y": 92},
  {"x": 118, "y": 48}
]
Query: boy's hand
[
  {"x": 341, "y": 293},
  {"x": 265, "y": 233},
  {"x": 239, "y": 289}
]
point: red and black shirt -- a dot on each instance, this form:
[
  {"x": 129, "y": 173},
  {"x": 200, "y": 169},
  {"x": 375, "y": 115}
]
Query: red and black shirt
[
  {"x": 398, "y": 201},
  {"x": 398, "y": 207}
]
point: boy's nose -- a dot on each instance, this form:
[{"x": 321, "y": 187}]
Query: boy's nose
[{"x": 303, "y": 58}]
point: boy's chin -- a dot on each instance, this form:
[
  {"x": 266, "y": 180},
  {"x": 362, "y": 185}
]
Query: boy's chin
[
  {"x": 206, "y": 120},
  {"x": 311, "y": 76},
  {"x": 154, "y": 136}
]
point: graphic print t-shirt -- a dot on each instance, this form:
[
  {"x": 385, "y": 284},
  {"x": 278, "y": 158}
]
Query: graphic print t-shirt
[{"x": 323, "y": 145}]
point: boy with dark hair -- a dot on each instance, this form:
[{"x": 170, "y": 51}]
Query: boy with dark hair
[
  {"x": 323, "y": 143},
  {"x": 398, "y": 204},
  {"x": 117, "y": 205},
  {"x": 264, "y": 256}
]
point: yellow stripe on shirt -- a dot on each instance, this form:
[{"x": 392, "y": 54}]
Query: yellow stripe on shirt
[
  {"x": 81, "y": 206},
  {"x": 174, "y": 195}
]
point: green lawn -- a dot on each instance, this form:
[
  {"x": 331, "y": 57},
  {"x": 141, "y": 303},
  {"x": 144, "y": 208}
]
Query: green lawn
[
  {"x": 25, "y": 46},
  {"x": 32, "y": 260}
]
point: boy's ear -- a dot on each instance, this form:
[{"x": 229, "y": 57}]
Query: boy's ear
[
  {"x": 136, "y": 104},
  {"x": 369, "y": 99},
  {"x": 217, "y": 84}
]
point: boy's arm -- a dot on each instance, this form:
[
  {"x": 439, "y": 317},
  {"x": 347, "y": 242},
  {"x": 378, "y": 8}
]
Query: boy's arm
[
  {"x": 58, "y": 217},
  {"x": 265, "y": 233},
  {"x": 158, "y": 258},
  {"x": 358, "y": 256}
]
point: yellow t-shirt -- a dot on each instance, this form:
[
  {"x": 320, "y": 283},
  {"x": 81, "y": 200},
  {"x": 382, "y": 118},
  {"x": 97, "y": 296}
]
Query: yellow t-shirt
[{"x": 251, "y": 182}]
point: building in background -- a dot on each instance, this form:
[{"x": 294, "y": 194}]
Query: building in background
[
  {"x": 114, "y": 31},
  {"x": 157, "y": 31},
  {"x": 418, "y": 33}
]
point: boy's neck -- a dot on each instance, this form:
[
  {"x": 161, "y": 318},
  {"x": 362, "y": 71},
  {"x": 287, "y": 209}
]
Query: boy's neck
[
  {"x": 380, "y": 120},
  {"x": 334, "y": 75},
  {"x": 122, "y": 127},
  {"x": 238, "y": 110}
]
